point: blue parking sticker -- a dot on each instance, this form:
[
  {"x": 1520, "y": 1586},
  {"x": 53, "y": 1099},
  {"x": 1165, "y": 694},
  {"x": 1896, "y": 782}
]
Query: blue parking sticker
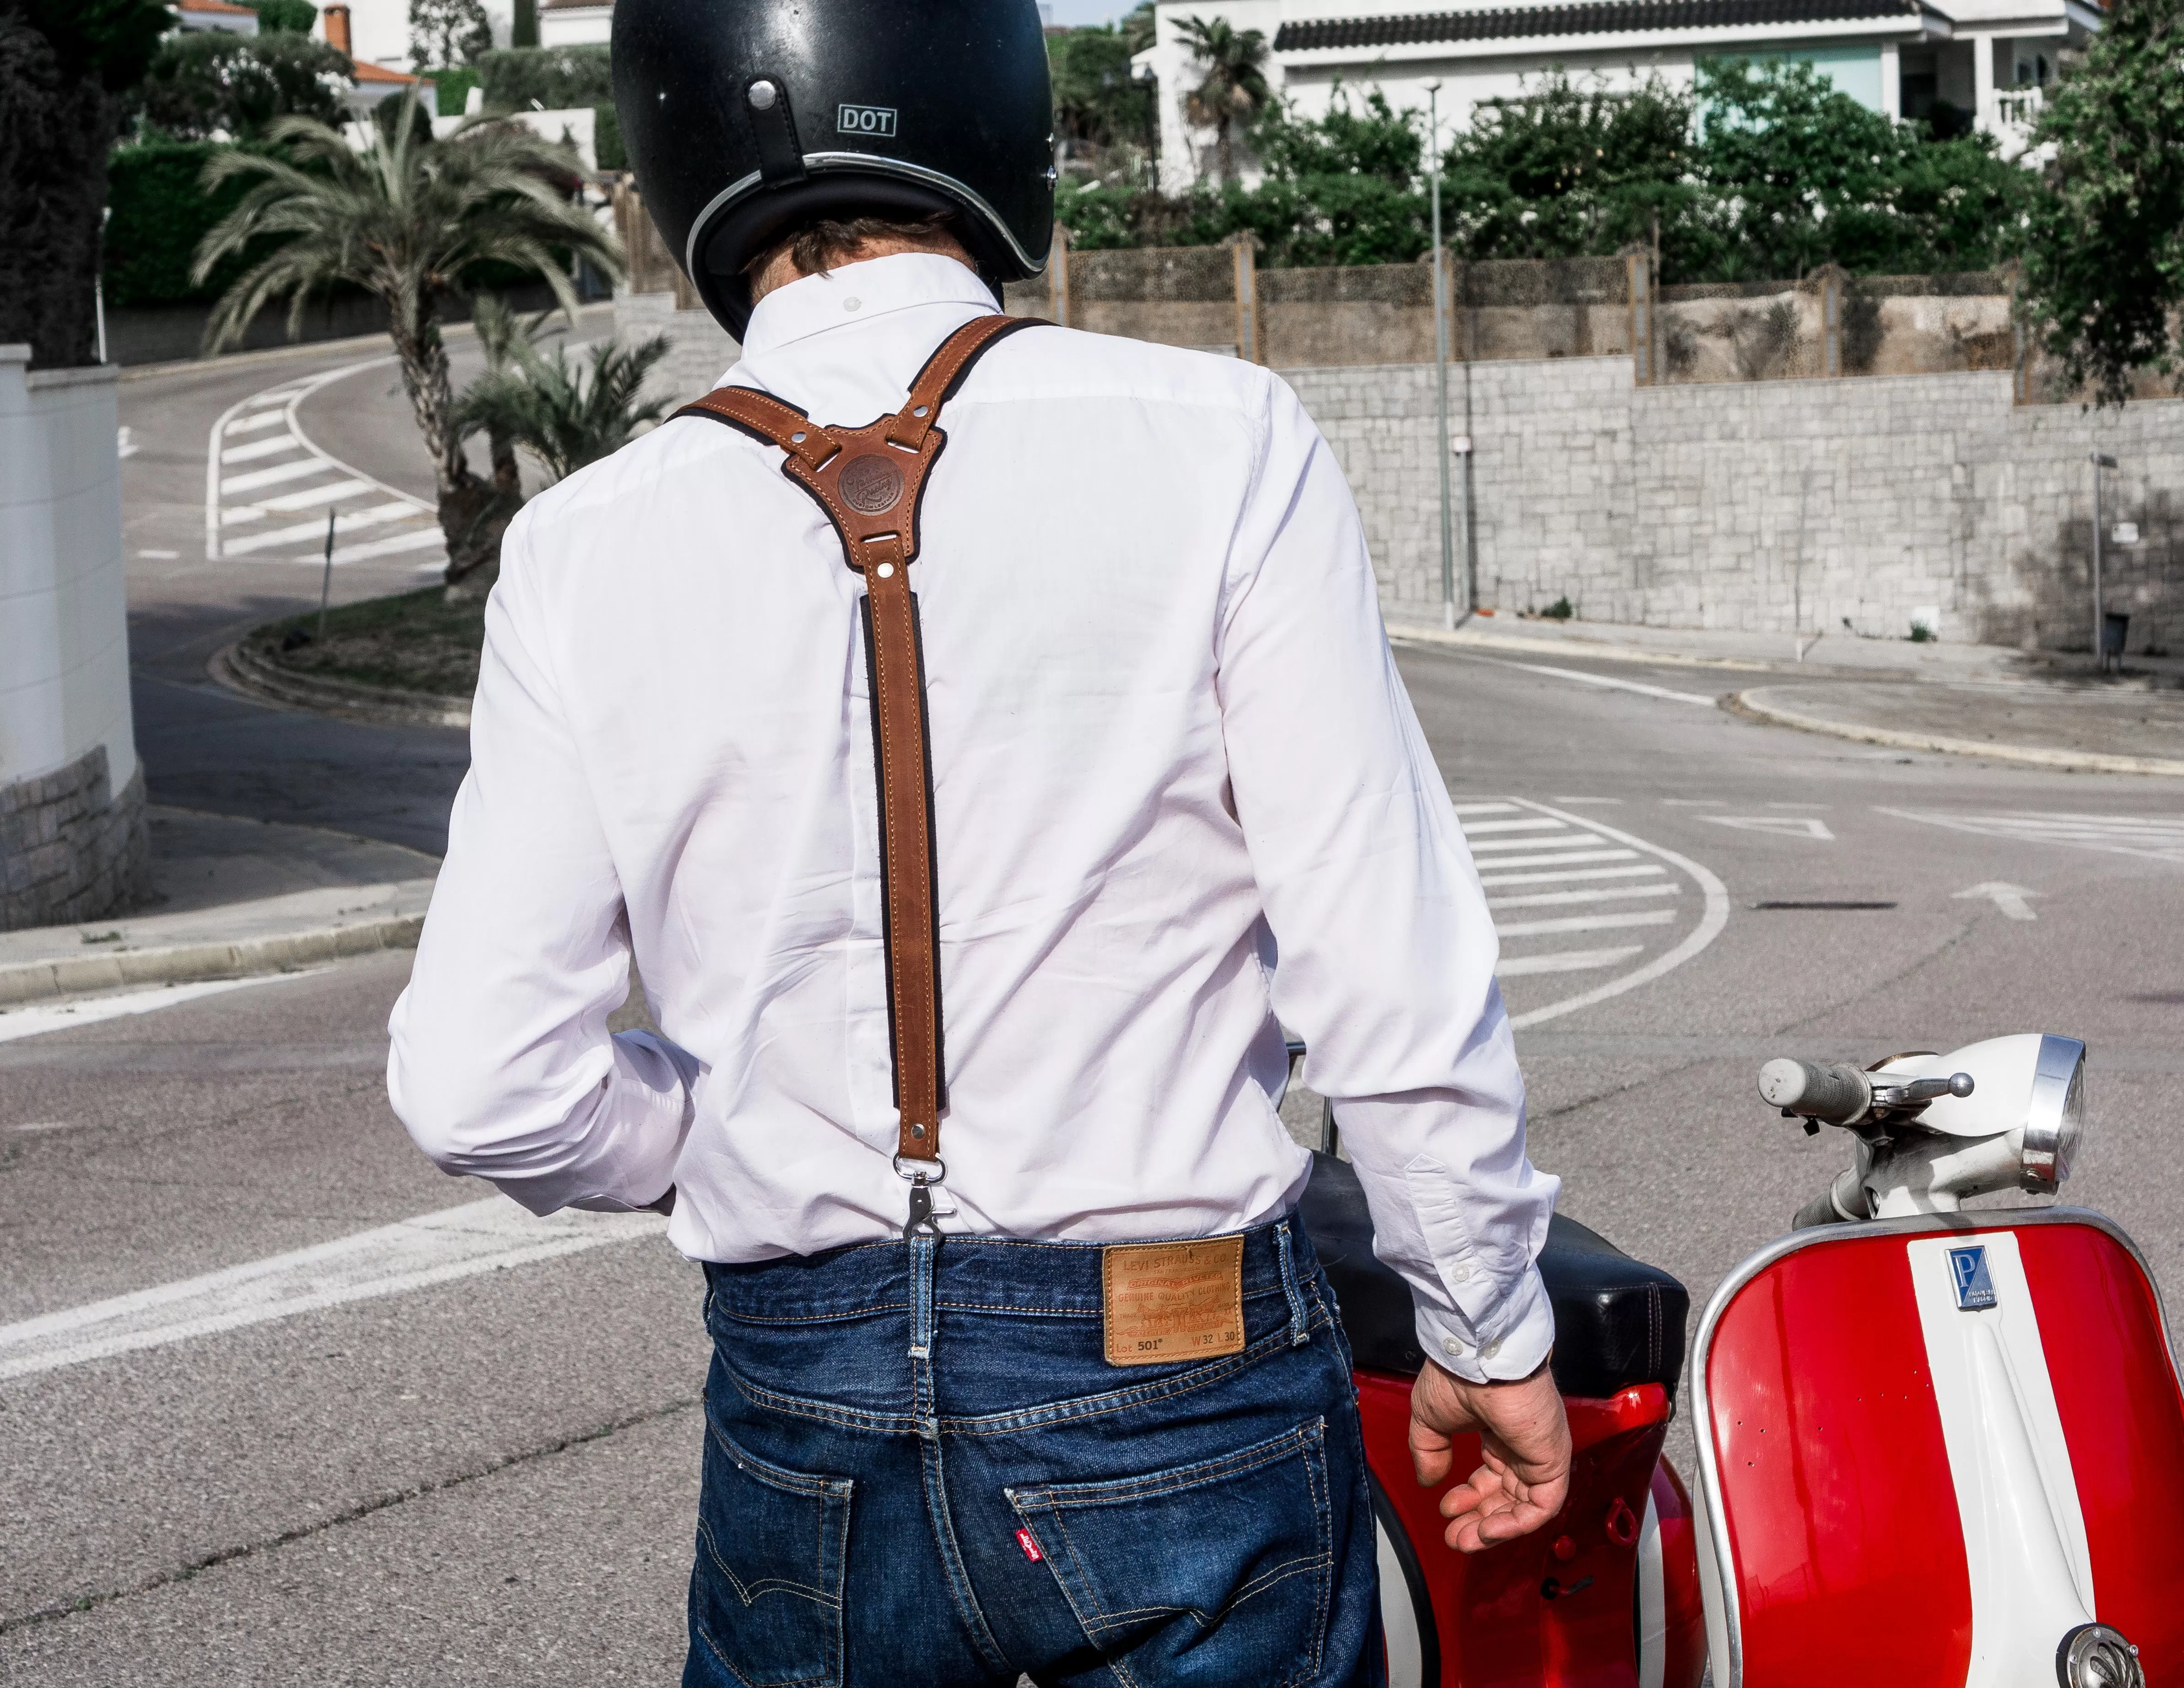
[{"x": 1967, "y": 1272}]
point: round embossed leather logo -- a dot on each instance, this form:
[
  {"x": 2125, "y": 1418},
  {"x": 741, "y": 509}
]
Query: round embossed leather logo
[{"x": 870, "y": 484}]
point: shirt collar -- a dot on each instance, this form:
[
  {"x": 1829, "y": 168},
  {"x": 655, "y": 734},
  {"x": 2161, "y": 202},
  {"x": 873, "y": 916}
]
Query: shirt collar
[{"x": 857, "y": 293}]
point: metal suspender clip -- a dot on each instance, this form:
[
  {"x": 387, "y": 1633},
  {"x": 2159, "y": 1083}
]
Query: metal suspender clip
[{"x": 920, "y": 1196}]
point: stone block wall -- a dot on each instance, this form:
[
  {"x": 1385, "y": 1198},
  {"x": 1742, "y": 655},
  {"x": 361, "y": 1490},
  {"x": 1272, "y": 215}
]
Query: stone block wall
[
  {"x": 1842, "y": 505},
  {"x": 71, "y": 848}
]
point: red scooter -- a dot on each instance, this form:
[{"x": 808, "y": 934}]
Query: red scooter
[{"x": 1942, "y": 1445}]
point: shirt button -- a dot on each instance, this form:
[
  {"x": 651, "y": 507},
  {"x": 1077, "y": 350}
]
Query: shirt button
[
  {"x": 852, "y": 304},
  {"x": 1451, "y": 1347},
  {"x": 1491, "y": 1349},
  {"x": 1460, "y": 1274}
]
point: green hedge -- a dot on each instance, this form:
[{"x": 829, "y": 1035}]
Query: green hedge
[
  {"x": 159, "y": 216},
  {"x": 606, "y": 138},
  {"x": 452, "y": 88},
  {"x": 557, "y": 77}
]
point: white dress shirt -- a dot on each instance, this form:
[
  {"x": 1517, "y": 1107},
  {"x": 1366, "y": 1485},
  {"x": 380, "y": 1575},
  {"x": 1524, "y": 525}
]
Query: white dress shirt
[{"x": 1179, "y": 794}]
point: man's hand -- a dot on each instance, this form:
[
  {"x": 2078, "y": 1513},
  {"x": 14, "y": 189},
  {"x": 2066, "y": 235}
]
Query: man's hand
[{"x": 1525, "y": 1442}]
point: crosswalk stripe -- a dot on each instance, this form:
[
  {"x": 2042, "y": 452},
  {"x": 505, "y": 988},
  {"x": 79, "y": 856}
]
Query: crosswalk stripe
[
  {"x": 377, "y": 516},
  {"x": 1566, "y": 961},
  {"x": 321, "y": 496},
  {"x": 1542, "y": 825},
  {"x": 250, "y": 425},
  {"x": 422, "y": 539},
  {"x": 1566, "y": 841},
  {"x": 1587, "y": 922},
  {"x": 2149, "y": 837},
  {"x": 264, "y": 447},
  {"x": 279, "y": 395},
  {"x": 1533, "y": 900},
  {"x": 1561, "y": 857},
  {"x": 1492, "y": 879},
  {"x": 1485, "y": 808},
  {"x": 274, "y": 477}
]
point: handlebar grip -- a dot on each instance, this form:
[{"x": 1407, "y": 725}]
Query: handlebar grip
[{"x": 1836, "y": 1093}]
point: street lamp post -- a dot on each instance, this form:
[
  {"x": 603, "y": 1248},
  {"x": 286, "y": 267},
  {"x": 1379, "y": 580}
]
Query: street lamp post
[
  {"x": 1441, "y": 355},
  {"x": 2100, "y": 460}
]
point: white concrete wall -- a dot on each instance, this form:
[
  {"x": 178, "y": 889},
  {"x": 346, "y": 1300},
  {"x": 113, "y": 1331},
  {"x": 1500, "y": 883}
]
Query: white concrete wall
[{"x": 64, "y": 626}]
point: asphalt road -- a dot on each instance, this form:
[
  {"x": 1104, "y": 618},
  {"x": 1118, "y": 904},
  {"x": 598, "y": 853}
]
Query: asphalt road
[{"x": 480, "y": 1468}]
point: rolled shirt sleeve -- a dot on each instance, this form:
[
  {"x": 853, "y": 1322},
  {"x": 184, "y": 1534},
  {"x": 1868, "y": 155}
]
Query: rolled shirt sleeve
[
  {"x": 1384, "y": 950},
  {"x": 501, "y": 1064}
]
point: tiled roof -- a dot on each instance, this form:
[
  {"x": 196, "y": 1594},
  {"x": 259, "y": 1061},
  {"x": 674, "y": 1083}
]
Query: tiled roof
[
  {"x": 575, "y": 5},
  {"x": 220, "y": 6},
  {"x": 1589, "y": 17},
  {"x": 368, "y": 72}
]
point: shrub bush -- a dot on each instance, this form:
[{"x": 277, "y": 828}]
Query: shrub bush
[
  {"x": 159, "y": 216},
  {"x": 451, "y": 88},
  {"x": 208, "y": 82},
  {"x": 557, "y": 77}
]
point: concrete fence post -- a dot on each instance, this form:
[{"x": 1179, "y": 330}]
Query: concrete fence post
[
  {"x": 1057, "y": 276},
  {"x": 1638, "y": 266},
  {"x": 1831, "y": 299},
  {"x": 1247, "y": 298}
]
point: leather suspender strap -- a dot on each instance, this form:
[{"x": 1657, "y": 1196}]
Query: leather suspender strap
[{"x": 870, "y": 481}]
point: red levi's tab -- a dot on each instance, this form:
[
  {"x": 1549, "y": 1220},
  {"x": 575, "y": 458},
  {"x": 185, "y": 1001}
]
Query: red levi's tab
[{"x": 1030, "y": 1547}]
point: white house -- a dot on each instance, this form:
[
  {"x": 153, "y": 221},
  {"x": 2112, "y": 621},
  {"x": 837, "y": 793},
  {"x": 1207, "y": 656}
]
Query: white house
[
  {"x": 1990, "y": 59},
  {"x": 574, "y": 23},
  {"x": 377, "y": 31}
]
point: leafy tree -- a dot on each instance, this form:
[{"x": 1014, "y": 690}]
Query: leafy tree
[
  {"x": 207, "y": 84},
  {"x": 1234, "y": 89},
  {"x": 415, "y": 221},
  {"x": 448, "y": 32},
  {"x": 1094, "y": 100},
  {"x": 286, "y": 17},
  {"x": 2104, "y": 249},
  {"x": 1570, "y": 169},
  {"x": 1378, "y": 141},
  {"x": 1340, "y": 188},
  {"x": 1802, "y": 175},
  {"x": 564, "y": 413},
  {"x": 63, "y": 65}
]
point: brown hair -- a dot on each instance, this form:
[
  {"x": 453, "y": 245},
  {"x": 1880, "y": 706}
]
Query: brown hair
[{"x": 816, "y": 248}]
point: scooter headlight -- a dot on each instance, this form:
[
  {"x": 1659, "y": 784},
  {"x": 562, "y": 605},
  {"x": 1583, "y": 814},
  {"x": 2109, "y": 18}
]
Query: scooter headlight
[{"x": 2054, "y": 1121}]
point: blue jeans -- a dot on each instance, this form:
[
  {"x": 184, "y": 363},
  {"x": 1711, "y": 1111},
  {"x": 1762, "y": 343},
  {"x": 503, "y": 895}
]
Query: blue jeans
[{"x": 921, "y": 1471}]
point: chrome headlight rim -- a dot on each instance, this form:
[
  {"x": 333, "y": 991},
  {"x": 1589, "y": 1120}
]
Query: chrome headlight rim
[
  {"x": 2054, "y": 1114},
  {"x": 2096, "y": 1656}
]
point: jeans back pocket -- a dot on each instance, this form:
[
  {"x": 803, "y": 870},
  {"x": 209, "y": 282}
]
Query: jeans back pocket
[
  {"x": 773, "y": 1552},
  {"x": 1216, "y": 1573}
]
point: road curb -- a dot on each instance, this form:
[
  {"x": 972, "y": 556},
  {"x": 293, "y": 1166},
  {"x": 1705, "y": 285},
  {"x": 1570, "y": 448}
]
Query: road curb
[
  {"x": 189, "y": 963},
  {"x": 2076, "y": 761},
  {"x": 1464, "y": 639},
  {"x": 242, "y": 669}
]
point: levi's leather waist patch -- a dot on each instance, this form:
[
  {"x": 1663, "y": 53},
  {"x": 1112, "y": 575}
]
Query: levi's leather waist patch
[{"x": 1161, "y": 1302}]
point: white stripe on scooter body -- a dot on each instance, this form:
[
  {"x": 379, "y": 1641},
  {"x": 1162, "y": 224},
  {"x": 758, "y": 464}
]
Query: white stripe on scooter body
[{"x": 2024, "y": 1534}]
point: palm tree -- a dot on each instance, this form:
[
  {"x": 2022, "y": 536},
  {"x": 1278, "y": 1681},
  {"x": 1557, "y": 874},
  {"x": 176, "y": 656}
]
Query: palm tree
[
  {"x": 1235, "y": 87},
  {"x": 563, "y": 414},
  {"x": 416, "y": 222}
]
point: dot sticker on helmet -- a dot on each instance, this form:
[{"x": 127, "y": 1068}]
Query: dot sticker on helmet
[{"x": 865, "y": 120}]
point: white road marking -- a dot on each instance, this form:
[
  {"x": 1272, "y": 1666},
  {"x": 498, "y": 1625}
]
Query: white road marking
[
  {"x": 1485, "y": 808},
  {"x": 1493, "y": 879},
  {"x": 1786, "y": 826},
  {"x": 1562, "y": 962},
  {"x": 1692, "y": 802},
  {"x": 2157, "y": 838},
  {"x": 2009, "y": 899},
  {"x": 412, "y": 1253},
  {"x": 1536, "y": 826},
  {"x": 1587, "y": 922},
  {"x": 159, "y": 556},
  {"x": 1548, "y": 899},
  {"x": 1589, "y": 802},
  {"x": 1603, "y": 680},
  {"x": 264, "y": 447},
  {"x": 408, "y": 523},
  {"x": 47, "y": 1125},
  {"x": 89, "y": 1010},
  {"x": 1561, "y": 857},
  {"x": 1566, "y": 841}
]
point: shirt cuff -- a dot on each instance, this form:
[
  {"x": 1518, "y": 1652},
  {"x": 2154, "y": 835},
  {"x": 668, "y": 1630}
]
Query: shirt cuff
[{"x": 1517, "y": 1339}]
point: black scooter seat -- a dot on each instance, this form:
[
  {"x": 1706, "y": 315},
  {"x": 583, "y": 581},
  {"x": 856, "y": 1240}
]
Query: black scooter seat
[{"x": 1617, "y": 1321}]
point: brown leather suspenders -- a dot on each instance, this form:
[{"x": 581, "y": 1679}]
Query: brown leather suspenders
[{"x": 870, "y": 481}]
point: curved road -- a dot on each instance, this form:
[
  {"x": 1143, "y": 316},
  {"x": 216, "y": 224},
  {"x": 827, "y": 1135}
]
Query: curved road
[{"x": 466, "y": 1453}]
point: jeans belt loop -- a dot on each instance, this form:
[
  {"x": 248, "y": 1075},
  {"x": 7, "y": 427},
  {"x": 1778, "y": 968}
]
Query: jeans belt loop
[
  {"x": 1298, "y": 1334},
  {"x": 922, "y": 1248}
]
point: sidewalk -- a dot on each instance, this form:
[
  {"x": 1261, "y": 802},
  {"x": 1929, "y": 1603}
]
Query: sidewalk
[
  {"x": 2044, "y": 709},
  {"x": 232, "y": 897}
]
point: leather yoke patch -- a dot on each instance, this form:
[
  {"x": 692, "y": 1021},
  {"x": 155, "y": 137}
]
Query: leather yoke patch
[{"x": 1161, "y": 1302}]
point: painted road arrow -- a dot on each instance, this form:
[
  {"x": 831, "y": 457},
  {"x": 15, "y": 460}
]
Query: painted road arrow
[{"x": 2009, "y": 899}]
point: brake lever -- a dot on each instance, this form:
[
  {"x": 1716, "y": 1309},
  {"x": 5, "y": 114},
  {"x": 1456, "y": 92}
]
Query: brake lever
[{"x": 1920, "y": 1091}]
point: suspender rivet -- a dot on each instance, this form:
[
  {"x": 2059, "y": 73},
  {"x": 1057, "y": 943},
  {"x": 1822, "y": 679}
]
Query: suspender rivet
[
  {"x": 886, "y": 570},
  {"x": 799, "y": 439},
  {"x": 920, "y": 410},
  {"x": 918, "y": 1131}
]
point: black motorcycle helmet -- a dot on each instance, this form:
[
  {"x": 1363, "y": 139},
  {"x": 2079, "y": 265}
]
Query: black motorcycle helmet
[{"x": 747, "y": 120}]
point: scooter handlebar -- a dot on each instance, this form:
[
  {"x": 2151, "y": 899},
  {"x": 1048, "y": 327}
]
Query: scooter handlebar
[{"x": 1836, "y": 1093}]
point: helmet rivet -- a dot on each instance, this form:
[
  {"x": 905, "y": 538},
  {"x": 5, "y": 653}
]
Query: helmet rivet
[{"x": 762, "y": 95}]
